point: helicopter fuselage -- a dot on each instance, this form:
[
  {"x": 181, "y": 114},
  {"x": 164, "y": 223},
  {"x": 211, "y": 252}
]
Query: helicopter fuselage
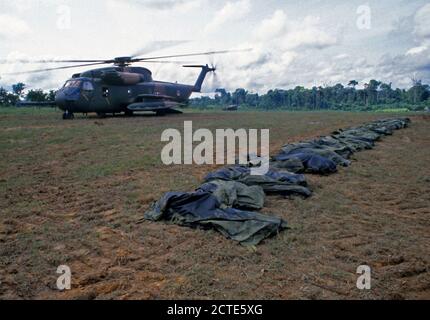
[
  {"x": 116, "y": 90},
  {"x": 92, "y": 95}
]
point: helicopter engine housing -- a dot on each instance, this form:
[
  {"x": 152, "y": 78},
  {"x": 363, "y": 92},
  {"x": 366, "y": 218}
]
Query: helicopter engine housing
[{"x": 121, "y": 78}]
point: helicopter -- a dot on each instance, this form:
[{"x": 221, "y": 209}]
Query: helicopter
[{"x": 122, "y": 87}]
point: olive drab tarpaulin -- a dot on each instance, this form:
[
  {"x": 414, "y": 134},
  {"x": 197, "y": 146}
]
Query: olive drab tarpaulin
[
  {"x": 273, "y": 182},
  {"x": 324, "y": 154},
  {"x": 201, "y": 209},
  {"x": 223, "y": 201},
  {"x": 235, "y": 194}
]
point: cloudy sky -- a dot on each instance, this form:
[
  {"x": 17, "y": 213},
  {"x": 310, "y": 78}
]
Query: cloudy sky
[{"x": 311, "y": 42}]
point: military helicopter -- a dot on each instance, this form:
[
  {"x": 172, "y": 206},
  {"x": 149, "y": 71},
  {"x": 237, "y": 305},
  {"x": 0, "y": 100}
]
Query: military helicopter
[{"x": 123, "y": 88}]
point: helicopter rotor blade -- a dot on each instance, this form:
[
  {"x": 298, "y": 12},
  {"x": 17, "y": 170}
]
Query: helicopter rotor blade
[
  {"x": 209, "y": 53},
  {"x": 77, "y": 61},
  {"x": 52, "y": 69},
  {"x": 150, "y": 47},
  {"x": 156, "y": 46},
  {"x": 85, "y": 65},
  {"x": 6, "y": 61},
  {"x": 164, "y": 62},
  {"x": 117, "y": 61}
]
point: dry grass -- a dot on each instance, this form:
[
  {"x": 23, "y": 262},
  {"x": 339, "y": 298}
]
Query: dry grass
[{"x": 71, "y": 193}]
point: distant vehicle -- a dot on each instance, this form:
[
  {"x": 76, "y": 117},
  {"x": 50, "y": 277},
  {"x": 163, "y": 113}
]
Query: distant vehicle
[
  {"x": 233, "y": 107},
  {"x": 122, "y": 88}
]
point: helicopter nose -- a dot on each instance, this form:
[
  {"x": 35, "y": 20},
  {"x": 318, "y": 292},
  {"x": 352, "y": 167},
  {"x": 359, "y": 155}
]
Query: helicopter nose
[{"x": 67, "y": 98}]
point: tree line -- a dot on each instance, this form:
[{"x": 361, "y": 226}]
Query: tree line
[
  {"x": 18, "y": 93},
  {"x": 373, "y": 96}
]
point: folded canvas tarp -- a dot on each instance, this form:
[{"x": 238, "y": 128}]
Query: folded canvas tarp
[
  {"x": 293, "y": 164},
  {"x": 273, "y": 182},
  {"x": 316, "y": 148},
  {"x": 311, "y": 161},
  {"x": 202, "y": 209},
  {"x": 274, "y": 186},
  {"x": 235, "y": 194}
]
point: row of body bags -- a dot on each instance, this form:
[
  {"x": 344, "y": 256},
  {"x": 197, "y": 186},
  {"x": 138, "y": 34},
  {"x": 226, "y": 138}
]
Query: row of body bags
[
  {"x": 324, "y": 154},
  {"x": 229, "y": 197}
]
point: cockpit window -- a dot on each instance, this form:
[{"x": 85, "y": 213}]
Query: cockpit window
[
  {"x": 73, "y": 84},
  {"x": 87, "y": 86}
]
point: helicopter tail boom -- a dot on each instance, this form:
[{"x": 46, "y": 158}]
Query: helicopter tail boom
[{"x": 205, "y": 70}]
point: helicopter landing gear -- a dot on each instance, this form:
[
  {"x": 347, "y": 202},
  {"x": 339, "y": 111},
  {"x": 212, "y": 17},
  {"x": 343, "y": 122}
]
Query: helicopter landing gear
[
  {"x": 128, "y": 113},
  {"x": 68, "y": 115},
  {"x": 160, "y": 113},
  {"x": 101, "y": 114}
]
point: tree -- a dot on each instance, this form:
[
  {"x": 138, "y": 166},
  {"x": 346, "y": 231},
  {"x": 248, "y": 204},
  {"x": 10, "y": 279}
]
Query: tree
[
  {"x": 372, "y": 91},
  {"x": 3, "y": 96},
  {"x": 353, "y": 83},
  {"x": 36, "y": 96},
  {"x": 252, "y": 100},
  {"x": 239, "y": 96},
  {"x": 7, "y": 98},
  {"x": 12, "y": 99},
  {"x": 419, "y": 92},
  {"x": 51, "y": 95},
  {"x": 18, "y": 89},
  {"x": 386, "y": 93},
  {"x": 222, "y": 96}
]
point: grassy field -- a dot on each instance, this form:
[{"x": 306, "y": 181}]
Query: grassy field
[{"x": 72, "y": 193}]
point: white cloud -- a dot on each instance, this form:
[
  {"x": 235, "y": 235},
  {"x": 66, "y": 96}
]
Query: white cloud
[
  {"x": 280, "y": 56},
  {"x": 422, "y": 25},
  {"x": 159, "y": 6},
  {"x": 416, "y": 50},
  {"x": 341, "y": 56},
  {"x": 231, "y": 11},
  {"x": 273, "y": 26},
  {"x": 294, "y": 33},
  {"x": 11, "y": 27},
  {"x": 308, "y": 33}
]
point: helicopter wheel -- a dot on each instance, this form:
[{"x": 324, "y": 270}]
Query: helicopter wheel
[
  {"x": 101, "y": 114},
  {"x": 128, "y": 113},
  {"x": 160, "y": 113},
  {"x": 68, "y": 115}
]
